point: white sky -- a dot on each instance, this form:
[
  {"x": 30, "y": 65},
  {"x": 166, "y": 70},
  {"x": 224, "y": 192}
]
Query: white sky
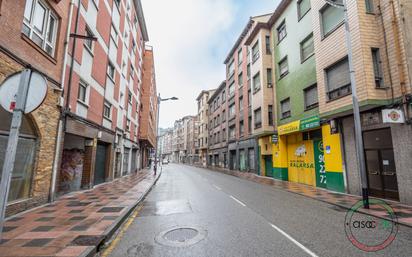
[{"x": 191, "y": 39}]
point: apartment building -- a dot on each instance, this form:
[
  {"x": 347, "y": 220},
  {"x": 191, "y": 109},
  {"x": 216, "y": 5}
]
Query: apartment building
[
  {"x": 190, "y": 135},
  {"x": 242, "y": 146},
  {"x": 203, "y": 114},
  {"x": 262, "y": 97},
  {"x": 217, "y": 149},
  {"x": 165, "y": 144},
  {"x": 102, "y": 92},
  {"x": 178, "y": 141},
  {"x": 148, "y": 110},
  {"x": 34, "y": 33},
  {"x": 381, "y": 60}
]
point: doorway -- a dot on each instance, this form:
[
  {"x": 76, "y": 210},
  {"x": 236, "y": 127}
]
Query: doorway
[
  {"x": 268, "y": 166},
  {"x": 380, "y": 164},
  {"x": 100, "y": 166}
]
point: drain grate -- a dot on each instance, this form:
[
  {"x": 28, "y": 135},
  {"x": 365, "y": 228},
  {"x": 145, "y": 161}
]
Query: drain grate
[{"x": 181, "y": 234}]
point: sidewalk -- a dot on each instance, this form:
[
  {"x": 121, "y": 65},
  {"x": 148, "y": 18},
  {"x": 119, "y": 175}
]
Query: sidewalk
[
  {"x": 76, "y": 224},
  {"x": 346, "y": 201}
]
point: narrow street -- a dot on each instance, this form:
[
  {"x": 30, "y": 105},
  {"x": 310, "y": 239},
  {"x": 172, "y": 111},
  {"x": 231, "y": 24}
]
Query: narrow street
[{"x": 237, "y": 217}]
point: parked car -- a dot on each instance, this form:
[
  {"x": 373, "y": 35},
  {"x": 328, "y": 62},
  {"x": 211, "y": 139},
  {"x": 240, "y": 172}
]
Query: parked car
[{"x": 165, "y": 161}]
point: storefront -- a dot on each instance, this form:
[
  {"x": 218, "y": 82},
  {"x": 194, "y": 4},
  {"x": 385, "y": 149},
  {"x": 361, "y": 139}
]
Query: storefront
[{"x": 306, "y": 152}]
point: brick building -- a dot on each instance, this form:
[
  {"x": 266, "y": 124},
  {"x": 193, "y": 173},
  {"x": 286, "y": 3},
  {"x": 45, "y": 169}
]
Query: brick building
[
  {"x": 102, "y": 91},
  {"x": 203, "y": 120},
  {"x": 148, "y": 109},
  {"x": 217, "y": 150},
  {"x": 36, "y": 40}
]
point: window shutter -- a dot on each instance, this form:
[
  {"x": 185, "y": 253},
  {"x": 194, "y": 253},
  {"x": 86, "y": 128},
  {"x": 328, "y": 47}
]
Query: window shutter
[{"x": 338, "y": 75}]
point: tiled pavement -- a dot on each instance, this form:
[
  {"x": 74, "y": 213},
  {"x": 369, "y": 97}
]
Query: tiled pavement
[
  {"x": 346, "y": 201},
  {"x": 75, "y": 224}
]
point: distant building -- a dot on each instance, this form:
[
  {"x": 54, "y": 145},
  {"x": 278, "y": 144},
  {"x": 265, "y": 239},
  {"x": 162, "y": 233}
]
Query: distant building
[{"x": 203, "y": 120}]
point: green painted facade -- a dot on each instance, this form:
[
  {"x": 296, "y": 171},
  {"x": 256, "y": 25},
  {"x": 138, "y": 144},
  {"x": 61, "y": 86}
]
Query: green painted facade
[
  {"x": 280, "y": 173},
  {"x": 301, "y": 75},
  {"x": 335, "y": 181}
]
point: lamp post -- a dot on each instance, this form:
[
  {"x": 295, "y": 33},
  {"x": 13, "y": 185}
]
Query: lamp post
[
  {"x": 356, "y": 112},
  {"x": 159, "y": 100}
]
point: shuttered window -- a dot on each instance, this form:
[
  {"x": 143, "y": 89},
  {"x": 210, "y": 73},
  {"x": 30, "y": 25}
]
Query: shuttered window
[
  {"x": 311, "y": 97},
  {"x": 338, "y": 79},
  {"x": 283, "y": 67},
  {"x": 303, "y": 8},
  {"x": 285, "y": 108},
  {"x": 331, "y": 18},
  {"x": 307, "y": 48}
]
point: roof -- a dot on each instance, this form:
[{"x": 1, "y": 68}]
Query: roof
[
  {"x": 244, "y": 34},
  {"x": 217, "y": 91},
  {"x": 255, "y": 31},
  {"x": 204, "y": 92},
  {"x": 140, "y": 17},
  {"x": 278, "y": 12}
]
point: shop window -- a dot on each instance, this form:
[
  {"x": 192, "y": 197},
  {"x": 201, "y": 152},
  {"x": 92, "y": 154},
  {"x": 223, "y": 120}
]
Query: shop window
[
  {"x": 338, "y": 80},
  {"x": 22, "y": 174},
  {"x": 40, "y": 24}
]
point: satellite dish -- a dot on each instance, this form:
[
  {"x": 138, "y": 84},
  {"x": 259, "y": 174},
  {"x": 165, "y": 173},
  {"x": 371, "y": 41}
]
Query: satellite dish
[{"x": 35, "y": 96}]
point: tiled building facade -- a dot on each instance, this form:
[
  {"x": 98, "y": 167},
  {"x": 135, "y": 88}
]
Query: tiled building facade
[{"x": 91, "y": 53}]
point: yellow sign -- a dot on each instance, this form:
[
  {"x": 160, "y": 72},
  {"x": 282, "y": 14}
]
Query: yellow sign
[{"x": 289, "y": 128}]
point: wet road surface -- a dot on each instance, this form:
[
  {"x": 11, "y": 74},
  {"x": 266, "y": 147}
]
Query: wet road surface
[{"x": 197, "y": 212}]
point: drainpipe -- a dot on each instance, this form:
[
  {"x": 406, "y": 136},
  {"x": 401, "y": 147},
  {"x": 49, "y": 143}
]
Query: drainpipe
[{"x": 61, "y": 125}]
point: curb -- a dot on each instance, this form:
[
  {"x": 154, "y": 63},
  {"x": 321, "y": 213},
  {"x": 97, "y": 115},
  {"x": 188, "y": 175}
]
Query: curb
[
  {"x": 93, "y": 250},
  {"x": 251, "y": 177}
]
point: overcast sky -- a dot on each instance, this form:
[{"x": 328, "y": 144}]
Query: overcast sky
[{"x": 191, "y": 39}]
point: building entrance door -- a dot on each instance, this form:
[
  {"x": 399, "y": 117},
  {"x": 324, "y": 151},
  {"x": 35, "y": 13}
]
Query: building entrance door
[
  {"x": 100, "y": 166},
  {"x": 380, "y": 164},
  {"x": 268, "y": 166}
]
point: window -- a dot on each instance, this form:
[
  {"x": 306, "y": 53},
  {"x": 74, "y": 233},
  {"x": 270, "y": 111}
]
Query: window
[
  {"x": 82, "y": 94},
  {"x": 117, "y": 2},
  {"x": 127, "y": 125},
  {"x": 269, "y": 77},
  {"x": 232, "y": 90},
  {"x": 258, "y": 118},
  {"x": 232, "y": 111},
  {"x": 248, "y": 72},
  {"x": 249, "y": 120},
  {"x": 256, "y": 83},
  {"x": 331, "y": 18},
  {"x": 307, "y": 48},
  {"x": 114, "y": 35},
  {"x": 40, "y": 25},
  {"x": 107, "y": 110},
  {"x": 338, "y": 80},
  {"x": 223, "y": 96},
  {"x": 270, "y": 115},
  {"x": 231, "y": 68},
  {"x": 281, "y": 31},
  {"x": 232, "y": 132},
  {"x": 241, "y": 104},
  {"x": 311, "y": 97},
  {"x": 303, "y": 8},
  {"x": 88, "y": 43},
  {"x": 283, "y": 67},
  {"x": 223, "y": 116},
  {"x": 369, "y": 6},
  {"x": 111, "y": 71},
  {"x": 240, "y": 79},
  {"x": 241, "y": 128},
  {"x": 240, "y": 56},
  {"x": 129, "y": 98},
  {"x": 377, "y": 67},
  {"x": 267, "y": 42},
  {"x": 255, "y": 52},
  {"x": 224, "y": 135},
  {"x": 285, "y": 108},
  {"x": 249, "y": 97}
]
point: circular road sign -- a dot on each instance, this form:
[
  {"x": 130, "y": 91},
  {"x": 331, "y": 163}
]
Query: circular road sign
[{"x": 35, "y": 96}]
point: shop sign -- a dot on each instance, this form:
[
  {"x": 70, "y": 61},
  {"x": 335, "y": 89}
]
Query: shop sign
[
  {"x": 310, "y": 123},
  {"x": 393, "y": 116},
  {"x": 289, "y": 128},
  {"x": 275, "y": 139},
  {"x": 299, "y": 125}
]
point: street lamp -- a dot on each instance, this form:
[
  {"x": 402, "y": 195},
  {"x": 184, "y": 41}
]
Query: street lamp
[
  {"x": 159, "y": 100},
  {"x": 342, "y": 4}
]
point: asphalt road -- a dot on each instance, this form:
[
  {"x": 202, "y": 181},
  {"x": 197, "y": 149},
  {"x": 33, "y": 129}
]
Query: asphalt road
[{"x": 237, "y": 218}]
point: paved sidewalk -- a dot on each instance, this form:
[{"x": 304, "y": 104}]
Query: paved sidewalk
[
  {"x": 76, "y": 224},
  {"x": 403, "y": 212}
]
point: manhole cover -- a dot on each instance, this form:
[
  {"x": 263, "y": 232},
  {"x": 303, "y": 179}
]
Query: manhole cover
[{"x": 181, "y": 237}]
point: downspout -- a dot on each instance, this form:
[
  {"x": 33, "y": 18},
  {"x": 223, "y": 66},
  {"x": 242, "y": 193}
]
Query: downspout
[
  {"x": 61, "y": 125},
  {"x": 385, "y": 38}
]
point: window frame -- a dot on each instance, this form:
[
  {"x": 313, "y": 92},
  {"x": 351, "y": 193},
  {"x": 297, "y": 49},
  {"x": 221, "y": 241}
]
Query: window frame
[
  {"x": 338, "y": 25},
  {"x": 256, "y": 89},
  {"x": 314, "y": 105},
  {"x": 255, "y": 55},
  {"x": 83, "y": 84},
  {"x": 282, "y": 112},
  {"x": 342, "y": 88},
  {"x": 267, "y": 45},
  {"x": 370, "y": 7},
  {"x": 109, "y": 106},
  {"x": 257, "y": 125},
  {"x": 308, "y": 37},
  {"x": 282, "y": 75},
  {"x": 280, "y": 28},
  {"x": 375, "y": 51},
  {"x": 269, "y": 83},
  {"x": 300, "y": 15},
  {"x": 110, "y": 64},
  {"x": 270, "y": 115},
  {"x": 86, "y": 42},
  {"x": 43, "y": 35}
]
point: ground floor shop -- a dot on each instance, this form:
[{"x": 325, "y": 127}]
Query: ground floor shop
[
  {"x": 218, "y": 158},
  {"x": 306, "y": 152},
  {"x": 86, "y": 158},
  {"x": 242, "y": 155},
  {"x": 388, "y": 154}
]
